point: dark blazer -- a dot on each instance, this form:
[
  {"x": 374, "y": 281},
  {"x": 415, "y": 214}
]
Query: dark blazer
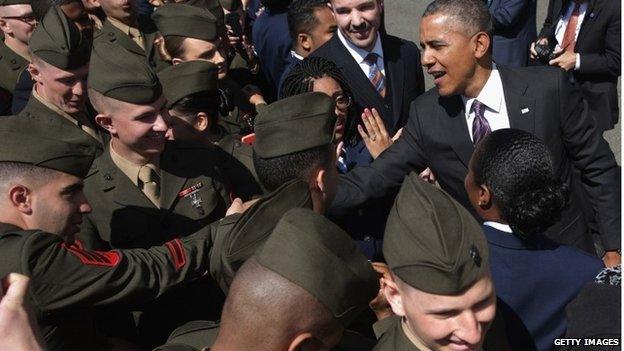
[
  {"x": 535, "y": 283},
  {"x": 404, "y": 82},
  {"x": 514, "y": 31},
  {"x": 598, "y": 43},
  {"x": 436, "y": 135}
]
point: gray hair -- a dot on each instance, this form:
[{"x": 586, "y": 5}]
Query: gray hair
[{"x": 473, "y": 15}]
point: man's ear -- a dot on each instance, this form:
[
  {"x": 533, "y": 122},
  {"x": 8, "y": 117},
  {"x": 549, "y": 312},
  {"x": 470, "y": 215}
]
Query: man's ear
[
  {"x": 106, "y": 122},
  {"x": 485, "y": 196},
  {"x": 318, "y": 181},
  {"x": 96, "y": 3},
  {"x": 176, "y": 61},
  {"x": 20, "y": 197},
  {"x": 5, "y": 27},
  {"x": 202, "y": 122},
  {"x": 304, "y": 41},
  {"x": 482, "y": 44},
  {"x": 304, "y": 342},
  {"x": 393, "y": 296},
  {"x": 35, "y": 73}
]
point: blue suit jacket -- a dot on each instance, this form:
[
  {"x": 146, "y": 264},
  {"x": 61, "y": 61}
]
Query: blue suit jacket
[
  {"x": 514, "y": 31},
  {"x": 534, "y": 285}
]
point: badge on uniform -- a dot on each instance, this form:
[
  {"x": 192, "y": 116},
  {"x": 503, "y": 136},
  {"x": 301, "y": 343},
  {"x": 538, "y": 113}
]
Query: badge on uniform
[{"x": 192, "y": 193}]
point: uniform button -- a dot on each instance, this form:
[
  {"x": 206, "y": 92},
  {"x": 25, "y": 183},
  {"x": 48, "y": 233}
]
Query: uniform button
[
  {"x": 237, "y": 144},
  {"x": 387, "y": 106},
  {"x": 474, "y": 254},
  {"x": 368, "y": 238},
  {"x": 111, "y": 34},
  {"x": 13, "y": 61},
  {"x": 108, "y": 177}
]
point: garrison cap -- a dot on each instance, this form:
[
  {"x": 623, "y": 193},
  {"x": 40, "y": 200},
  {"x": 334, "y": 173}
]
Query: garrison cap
[
  {"x": 52, "y": 146},
  {"x": 186, "y": 21},
  {"x": 238, "y": 238},
  {"x": 323, "y": 260},
  {"x": 59, "y": 42},
  {"x": 295, "y": 124},
  {"x": 123, "y": 76},
  {"x": 188, "y": 78},
  {"x": 14, "y": 2},
  {"x": 230, "y": 5},
  {"x": 432, "y": 242}
]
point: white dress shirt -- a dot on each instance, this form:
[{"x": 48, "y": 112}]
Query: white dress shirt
[
  {"x": 500, "y": 226},
  {"x": 563, "y": 24},
  {"x": 360, "y": 54},
  {"x": 493, "y": 98}
]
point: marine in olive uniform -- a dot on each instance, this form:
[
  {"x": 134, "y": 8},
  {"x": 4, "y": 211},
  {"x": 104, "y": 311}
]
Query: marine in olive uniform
[{"x": 17, "y": 24}]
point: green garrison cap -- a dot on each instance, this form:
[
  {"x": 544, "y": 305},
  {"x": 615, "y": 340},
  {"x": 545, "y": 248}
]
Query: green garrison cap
[
  {"x": 14, "y": 2},
  {"x": 314, "y": 253},
  {"x": 231, "y": 5},
  {"x": 432, "y": 242},
  {"x": 188, "y": 78},
  {"x": 186, "y": 21},
  {"x": 235, "y": 242},
  {"x": 49, "y": 145},
  {"x": 58, "y": 41},
  {"x": 294, "y": 124},
  {"x": 122, "y": 76}
]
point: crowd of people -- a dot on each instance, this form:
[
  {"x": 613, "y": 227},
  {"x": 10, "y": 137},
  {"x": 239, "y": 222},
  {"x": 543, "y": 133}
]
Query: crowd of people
[{"x": 272, "y": 175}]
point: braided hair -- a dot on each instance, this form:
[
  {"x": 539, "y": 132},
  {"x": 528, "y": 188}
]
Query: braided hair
[{"x": 301, "y": 80}]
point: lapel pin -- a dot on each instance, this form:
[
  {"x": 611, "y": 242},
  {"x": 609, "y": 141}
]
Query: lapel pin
[
  {"x": 591, "y": 15},
  {"x": 525, "y": 110},
  {"x": 192, "y": 193}
]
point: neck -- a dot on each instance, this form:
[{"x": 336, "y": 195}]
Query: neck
[
  {"x": 42, "y": 95},
  {"x": 130, "y": 21},
  {"x": 480, "y": 77},
  {"x": 130, "y": 154},
  {"x": 17, "y": 46},
  {"x": 301, "y": 51},
  {"x": 7, "y": 218}
]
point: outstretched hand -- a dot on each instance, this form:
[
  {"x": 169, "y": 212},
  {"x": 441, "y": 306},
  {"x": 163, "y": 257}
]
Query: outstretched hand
[{"x": 374, "y": 133}]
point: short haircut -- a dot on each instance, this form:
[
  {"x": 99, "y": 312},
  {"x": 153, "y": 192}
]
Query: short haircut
[
  {"x": 472, "y": 15},
  {"x": 99, "y": 101},
  {"x": 12, "y": 173},
  {"x": 172, "y": 47},
  {"x": 41, "y": 7},
  {"x": 302, "y": 17},
  {"x": 517, "y": 168},
  {"x": 202, "y": 101},
  {"x": 276, "y": 171}
]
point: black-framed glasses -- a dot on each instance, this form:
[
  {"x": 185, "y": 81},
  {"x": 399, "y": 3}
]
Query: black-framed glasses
[
  {"x": 27, "y": 18},
  {"x": 343, "y": 101}
]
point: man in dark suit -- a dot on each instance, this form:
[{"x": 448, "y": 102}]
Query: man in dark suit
[
  {"x": 514, "y": 31},
  {"x": 473, "y": 97},
  {"x": 588, "y": 36}
]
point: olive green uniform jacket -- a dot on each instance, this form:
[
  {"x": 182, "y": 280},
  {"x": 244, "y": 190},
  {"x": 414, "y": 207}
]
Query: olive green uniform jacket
[
  {"x": 392, "y": 337},
  {"x": 69, "y": 283},
  {"x": 11, "y": 65},
  {"x": 110, "y": 33}
]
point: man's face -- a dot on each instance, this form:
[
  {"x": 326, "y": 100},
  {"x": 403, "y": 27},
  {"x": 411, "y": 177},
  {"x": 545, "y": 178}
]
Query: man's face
[
  {"x": 358, "y": 20},
  {"x": 140, "y": 128},
  {"x": 324, "y": 30},
  {"x": 67, "y": 90},
  {"x": 448, "y": 54},
  {"x": 76, "y": 12},
  {"x": 58, "y": 205},
  {"x": 330, "y": 87},
  {"x": 196, "y": 49},
  {"x": 121, "y": 10},
  {"x": 17, "y": 21},
  {"x": 450, "y": 322}
]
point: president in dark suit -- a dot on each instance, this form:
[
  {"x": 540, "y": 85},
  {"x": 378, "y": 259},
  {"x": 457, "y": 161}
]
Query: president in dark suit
[
  {"x": 514, "y": 30},
  {"x": 589, "y": 32},
  {"x": 473, "y": 97},
  {"x": 360, "y": 50}
]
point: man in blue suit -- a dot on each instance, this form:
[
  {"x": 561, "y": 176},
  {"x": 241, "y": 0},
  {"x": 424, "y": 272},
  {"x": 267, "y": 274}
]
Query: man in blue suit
[{"x": 514, "y": 30}]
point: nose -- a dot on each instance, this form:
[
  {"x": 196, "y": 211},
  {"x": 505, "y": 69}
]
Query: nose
[
  {"x": 79, "y": 87},
  {"x": 469, "y": 328},
  {"x": 427, "y": 59},
  {"x": 162, "y": 122},
  {"x": 219, "y": 57},
  {"x": 356, "y": 19},
  {"x": 84, "y": 206}
]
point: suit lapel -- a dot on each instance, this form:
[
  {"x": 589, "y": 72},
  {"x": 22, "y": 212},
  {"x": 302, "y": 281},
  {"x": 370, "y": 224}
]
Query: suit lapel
[
  {"x": 170, "y": 183},
  {"x": 122, "y": 191},
  {"x": 456, "y": 128},
  {"x": 520, "y": 108},
  {"x": 395, "y": 75},
  {"x": 590, "y": 18}
]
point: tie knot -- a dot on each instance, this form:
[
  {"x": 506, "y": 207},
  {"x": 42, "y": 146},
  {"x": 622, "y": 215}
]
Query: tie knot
[
  {"x": 371, "y": 58},
  {"x": 147, "y": 174},
  {"x": 478, "y": 107}
]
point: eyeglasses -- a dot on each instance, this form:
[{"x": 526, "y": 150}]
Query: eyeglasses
[
  {"x": 343, "y": 101},
  {"x": 28, "y": 18}
]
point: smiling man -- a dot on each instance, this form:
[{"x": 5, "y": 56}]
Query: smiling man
[
  {"x": 473, "y": 97},
  {"x": 440, "y": 286}
]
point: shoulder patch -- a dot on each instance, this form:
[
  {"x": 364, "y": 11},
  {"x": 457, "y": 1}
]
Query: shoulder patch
[
  {"x": 177, "y": 252},
  {"x": 93, "y": 258}
]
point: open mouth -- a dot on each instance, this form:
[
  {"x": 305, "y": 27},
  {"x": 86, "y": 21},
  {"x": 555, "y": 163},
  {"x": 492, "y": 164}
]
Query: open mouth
[{"x": 437, "y": 75}]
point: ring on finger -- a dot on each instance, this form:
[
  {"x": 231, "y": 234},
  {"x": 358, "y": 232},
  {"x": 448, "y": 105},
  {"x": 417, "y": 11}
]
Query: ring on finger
[{"x": 373, "y": 137}]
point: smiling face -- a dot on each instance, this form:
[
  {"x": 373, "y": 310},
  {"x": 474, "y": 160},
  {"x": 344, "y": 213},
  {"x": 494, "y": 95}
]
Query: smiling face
[
  {"x": 447, "y": 322},
  {"x": 66, "y": 90},
  {"x": 450, "y": 54},
  {"x": 196, "y": 49},
  {"x": 358, "y": 20}
]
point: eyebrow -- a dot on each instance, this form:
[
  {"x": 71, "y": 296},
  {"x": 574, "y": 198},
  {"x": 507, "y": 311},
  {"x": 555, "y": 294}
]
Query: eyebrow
[{"x": 72, "y": 188}]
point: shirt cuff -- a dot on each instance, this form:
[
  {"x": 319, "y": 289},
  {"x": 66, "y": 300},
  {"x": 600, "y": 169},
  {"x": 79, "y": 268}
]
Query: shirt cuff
[{"x": 577, "y": 65}]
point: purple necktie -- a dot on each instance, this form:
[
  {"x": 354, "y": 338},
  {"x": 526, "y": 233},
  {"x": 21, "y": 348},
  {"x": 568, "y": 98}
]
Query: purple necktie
[{"x": 480, "y": 125}]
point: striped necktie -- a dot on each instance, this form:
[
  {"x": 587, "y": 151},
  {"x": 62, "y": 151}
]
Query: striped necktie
[
  {"x": 375, "y": 75},
  {"x": 480, "y": 125}
]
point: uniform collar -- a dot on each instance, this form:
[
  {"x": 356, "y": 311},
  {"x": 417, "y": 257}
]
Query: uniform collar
[
  {"x": 130, "y": 169},
  {"x": 411, "y": 336},
  {"x": 360, "y": 54},
  {"x": 22, "y": 53}
]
